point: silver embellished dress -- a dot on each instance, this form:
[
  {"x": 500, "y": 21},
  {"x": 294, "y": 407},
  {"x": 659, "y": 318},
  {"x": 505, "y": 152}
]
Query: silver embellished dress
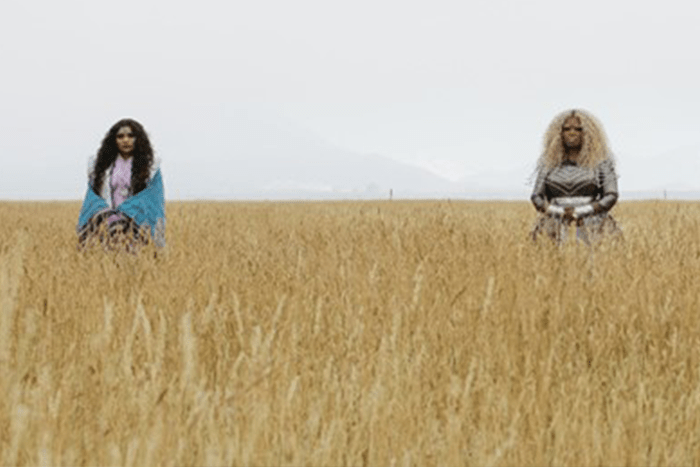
[{"x": 590, "y": 193}]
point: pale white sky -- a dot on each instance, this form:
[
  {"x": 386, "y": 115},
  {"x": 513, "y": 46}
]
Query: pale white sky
[{"x": 456, "y": 86}]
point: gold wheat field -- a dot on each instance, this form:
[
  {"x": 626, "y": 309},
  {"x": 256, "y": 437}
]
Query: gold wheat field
[{"x": 351, "y": 333}]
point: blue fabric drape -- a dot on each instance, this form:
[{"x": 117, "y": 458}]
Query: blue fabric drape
[
  {"x": 92, "y": 204},
  {"x": 145, "y": 208}
]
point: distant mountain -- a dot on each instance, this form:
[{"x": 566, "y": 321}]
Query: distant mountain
[
  {"x": 244, "y": 154},
  {"x": 677, "y": 170},
  {"x": 510, "y": 183},
  {"x": 267, "y": 158}
]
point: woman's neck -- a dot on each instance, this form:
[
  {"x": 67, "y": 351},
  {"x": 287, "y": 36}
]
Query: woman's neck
[{"x": 572, "y": 154}]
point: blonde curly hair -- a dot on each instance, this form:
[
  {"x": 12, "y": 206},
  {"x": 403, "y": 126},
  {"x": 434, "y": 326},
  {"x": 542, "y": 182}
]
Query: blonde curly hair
[{"x": 595, "y": 147}]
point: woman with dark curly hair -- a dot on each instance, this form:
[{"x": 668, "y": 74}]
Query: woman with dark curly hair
[
  {"x": 576, "y": 182},
  {"x": 124, "y": 204}
]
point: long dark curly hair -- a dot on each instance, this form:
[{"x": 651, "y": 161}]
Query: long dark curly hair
[{"x": 142, "y": 156}]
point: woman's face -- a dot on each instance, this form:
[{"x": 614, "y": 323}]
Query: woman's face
[
  {"x": 572, "y": 133},
  {"x": 126, "y": 140}
]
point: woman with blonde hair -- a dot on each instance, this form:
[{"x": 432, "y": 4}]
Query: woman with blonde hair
[{"x": 576, "y": 182}]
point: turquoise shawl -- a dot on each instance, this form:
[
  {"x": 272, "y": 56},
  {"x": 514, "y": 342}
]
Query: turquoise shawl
[{"x": 146, "y": 208}]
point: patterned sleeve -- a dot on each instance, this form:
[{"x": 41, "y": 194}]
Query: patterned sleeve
[
  {"x": 607, "y": 179},
  {"x": 538, "y": 197}
]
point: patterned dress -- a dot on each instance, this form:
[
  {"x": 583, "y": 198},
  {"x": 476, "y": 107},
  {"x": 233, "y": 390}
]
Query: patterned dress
[
  {"x": 119, "y": 185},
  {"x": 590, "y": 193}
]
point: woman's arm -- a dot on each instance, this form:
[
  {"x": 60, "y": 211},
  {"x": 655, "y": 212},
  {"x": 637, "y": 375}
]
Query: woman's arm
[
  {"x": 608, "y": 182},
  {"x": 538, "y": 197},
  {"x": 607, "y": 179}
]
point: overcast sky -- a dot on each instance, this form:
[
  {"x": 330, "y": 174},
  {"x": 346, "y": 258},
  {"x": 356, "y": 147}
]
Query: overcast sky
[{"x": 455, "y": 86}]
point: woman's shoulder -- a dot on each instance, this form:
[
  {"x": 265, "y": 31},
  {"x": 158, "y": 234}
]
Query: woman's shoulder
[
  {"x": 155, "y": 167},
  {"x": 92, "y": 162},
  {"x": 607, "y": 165}
]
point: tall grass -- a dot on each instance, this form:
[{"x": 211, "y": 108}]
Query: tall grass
[{"x": 368, "y": 333}]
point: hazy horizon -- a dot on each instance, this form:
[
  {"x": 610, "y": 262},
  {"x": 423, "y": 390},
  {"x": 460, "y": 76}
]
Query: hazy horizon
[{"x": 461, "y": 90}]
